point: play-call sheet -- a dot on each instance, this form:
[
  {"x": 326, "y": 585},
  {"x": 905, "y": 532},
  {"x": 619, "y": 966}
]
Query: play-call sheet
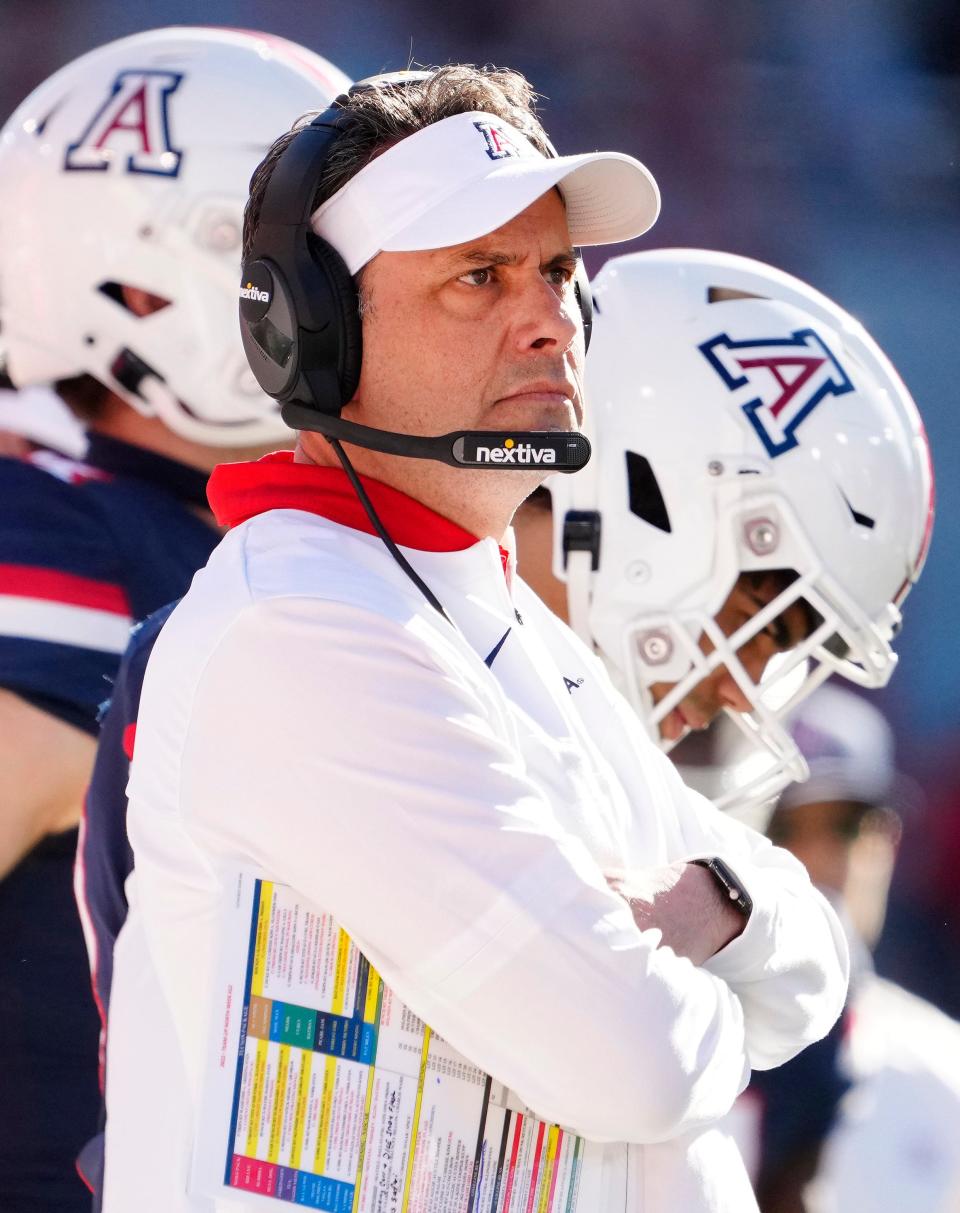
[{"x": 324, "y": 1090}]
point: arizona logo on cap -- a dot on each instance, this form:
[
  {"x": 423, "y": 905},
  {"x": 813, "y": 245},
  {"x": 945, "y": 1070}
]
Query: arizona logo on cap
[
  {"x": 500, "y": 143},
  {"x": 131, "y": 127},
  {"x": 781, "y": 381}
]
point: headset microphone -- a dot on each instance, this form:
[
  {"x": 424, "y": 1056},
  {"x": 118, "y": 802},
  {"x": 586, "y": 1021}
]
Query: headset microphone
[{"x": 518, "y": 450}]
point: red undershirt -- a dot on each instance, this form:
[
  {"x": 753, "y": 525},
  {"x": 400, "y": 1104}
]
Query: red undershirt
[{"x": 238, "y": 491}]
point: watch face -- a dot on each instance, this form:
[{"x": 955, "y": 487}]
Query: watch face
[{"x": 729, "y": 884}]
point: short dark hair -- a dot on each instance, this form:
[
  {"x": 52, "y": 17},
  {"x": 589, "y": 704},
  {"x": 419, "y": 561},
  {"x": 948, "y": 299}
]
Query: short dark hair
[{"x": 381, "y": 116}]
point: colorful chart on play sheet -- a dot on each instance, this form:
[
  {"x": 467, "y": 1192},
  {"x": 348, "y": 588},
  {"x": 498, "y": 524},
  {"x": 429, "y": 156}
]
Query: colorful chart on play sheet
[{"x": 320, "y": 1080}]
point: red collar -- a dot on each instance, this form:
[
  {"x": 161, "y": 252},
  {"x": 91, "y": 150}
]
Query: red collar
[{"x": 238, "y": 491}]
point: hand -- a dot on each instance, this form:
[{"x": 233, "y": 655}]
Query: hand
[{"x": 682, "y": 901}]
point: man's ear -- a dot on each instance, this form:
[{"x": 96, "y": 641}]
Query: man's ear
[{"x": 141, "y": 302}]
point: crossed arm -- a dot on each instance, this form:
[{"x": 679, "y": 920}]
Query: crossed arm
[
  {"x": 681, "y": 901},
  {"x": 420, "y": 829}
]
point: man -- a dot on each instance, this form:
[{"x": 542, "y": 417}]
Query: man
[
  {"x": 422, "y": 773},
  {"x": 759, "y": 503},
  {"x": 123, "y": 178}
]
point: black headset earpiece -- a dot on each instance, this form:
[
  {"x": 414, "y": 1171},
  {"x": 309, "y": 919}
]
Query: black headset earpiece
[{"x": 299, "y": 311}]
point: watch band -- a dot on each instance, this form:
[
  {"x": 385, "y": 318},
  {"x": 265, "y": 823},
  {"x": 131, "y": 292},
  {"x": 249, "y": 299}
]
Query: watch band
[{"x": 729, "y": 883}]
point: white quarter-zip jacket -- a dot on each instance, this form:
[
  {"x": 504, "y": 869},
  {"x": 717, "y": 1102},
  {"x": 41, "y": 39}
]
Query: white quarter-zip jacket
[{"x": 453, "y": 795}]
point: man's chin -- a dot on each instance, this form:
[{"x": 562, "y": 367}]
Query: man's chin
[{"x": 560, "y": 417}]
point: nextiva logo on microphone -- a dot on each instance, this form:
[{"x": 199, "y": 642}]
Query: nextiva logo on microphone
[
  {"x": 522, "y": 450},
  {"x": 515, "y": 452}
]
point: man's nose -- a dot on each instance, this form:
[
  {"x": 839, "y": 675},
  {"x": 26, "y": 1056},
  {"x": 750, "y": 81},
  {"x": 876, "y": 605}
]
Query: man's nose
[
  {"x": 730, "y": 694},
  {"x": 546, "y": 317}
]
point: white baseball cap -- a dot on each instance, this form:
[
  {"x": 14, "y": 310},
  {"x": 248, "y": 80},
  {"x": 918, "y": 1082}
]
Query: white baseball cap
[{"x": 467, "y": 175}]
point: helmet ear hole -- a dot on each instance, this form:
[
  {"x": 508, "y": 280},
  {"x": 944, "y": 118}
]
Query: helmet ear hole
[
  {"x": 134, "y": 299},
  {"x": 646, "y": 499},
  {"x": 727, "y": 294},
  {"x": 346, "y": 302}
]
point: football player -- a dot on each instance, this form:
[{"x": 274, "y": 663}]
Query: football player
[
  {"x": 758, "y": 504},
  {"x": 122, "y": 183}
]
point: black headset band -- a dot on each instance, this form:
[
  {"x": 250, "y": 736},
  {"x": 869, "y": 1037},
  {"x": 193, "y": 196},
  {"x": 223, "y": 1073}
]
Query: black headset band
[
  {"x": 296, "y": 177},
  {"x": 290, "y": 193}
]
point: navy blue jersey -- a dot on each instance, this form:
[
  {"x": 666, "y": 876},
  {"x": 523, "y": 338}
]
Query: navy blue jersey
[
  {"x": 104, "y": 857},
  {"x": 800, "y": 1102},
  {"x": 86, "y": 549}
]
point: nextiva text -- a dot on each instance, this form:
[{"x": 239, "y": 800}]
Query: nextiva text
[{"x": 524, "y": 452}]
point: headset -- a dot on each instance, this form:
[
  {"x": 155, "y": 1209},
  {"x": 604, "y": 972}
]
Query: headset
[{"x": 300, "y": 316}]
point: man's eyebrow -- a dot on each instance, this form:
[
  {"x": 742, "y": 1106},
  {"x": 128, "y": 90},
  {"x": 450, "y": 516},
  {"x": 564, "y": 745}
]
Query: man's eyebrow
[
  {"x": 479, "y": 256},
  {"x": 567, "y": 257},
  {"x": 485, "y": 257}
]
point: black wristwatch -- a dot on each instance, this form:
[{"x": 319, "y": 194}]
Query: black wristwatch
[{"x": 728, "y": 883}]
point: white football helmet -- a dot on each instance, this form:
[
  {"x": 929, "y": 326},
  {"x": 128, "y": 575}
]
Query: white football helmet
[
  {"x": 129, "y": 167},
  {"x": 741, "y": 421}
]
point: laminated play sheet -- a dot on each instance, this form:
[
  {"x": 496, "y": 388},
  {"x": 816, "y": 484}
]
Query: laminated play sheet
[{"x": 324, "y": 1090}]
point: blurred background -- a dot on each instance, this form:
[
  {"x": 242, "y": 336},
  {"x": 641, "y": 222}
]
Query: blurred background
[{"x": 823, "y": 137}]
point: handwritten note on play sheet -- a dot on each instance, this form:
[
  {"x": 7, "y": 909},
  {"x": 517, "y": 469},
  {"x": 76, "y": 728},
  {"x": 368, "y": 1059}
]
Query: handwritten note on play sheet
[{"x": 324, "y": 1090}]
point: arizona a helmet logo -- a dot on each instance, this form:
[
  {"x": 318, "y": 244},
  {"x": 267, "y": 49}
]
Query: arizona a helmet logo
[
  {"x": 780, "y": 381},
  {"x": 131, "y": 128}
]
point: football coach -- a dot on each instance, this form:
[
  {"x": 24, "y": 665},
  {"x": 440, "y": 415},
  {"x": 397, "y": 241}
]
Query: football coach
[{"x": 360, "y": 697}]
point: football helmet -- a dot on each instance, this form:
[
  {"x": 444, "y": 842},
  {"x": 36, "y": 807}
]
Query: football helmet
[
  {"x": 129, "y": 167},
  {"x": 741, "y": 422}
]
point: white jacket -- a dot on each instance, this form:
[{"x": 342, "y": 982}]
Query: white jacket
[{"x": 453, "y": 796}]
